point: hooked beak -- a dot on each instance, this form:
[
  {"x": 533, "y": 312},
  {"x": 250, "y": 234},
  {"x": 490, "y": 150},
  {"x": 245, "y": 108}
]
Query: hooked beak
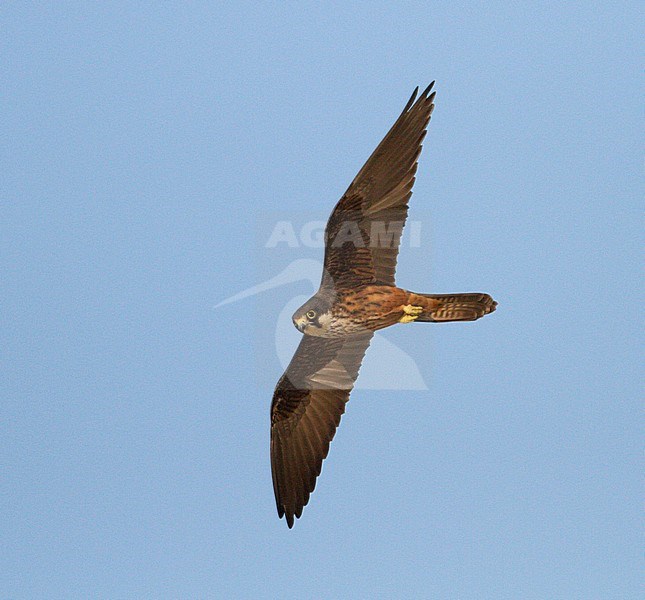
[{"x": 300, "y": 325}]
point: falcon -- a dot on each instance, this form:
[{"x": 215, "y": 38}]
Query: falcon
[{"x": 357, "y": 296}]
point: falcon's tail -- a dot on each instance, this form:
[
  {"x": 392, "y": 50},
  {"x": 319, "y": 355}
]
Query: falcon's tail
[{"x": 438, "y": 308}]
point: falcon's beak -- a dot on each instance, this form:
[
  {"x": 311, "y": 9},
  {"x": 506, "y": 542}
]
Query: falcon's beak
[{"x": 300, "y": 324}]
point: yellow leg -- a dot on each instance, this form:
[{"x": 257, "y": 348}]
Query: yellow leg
[{"x": 411, "y": 313}]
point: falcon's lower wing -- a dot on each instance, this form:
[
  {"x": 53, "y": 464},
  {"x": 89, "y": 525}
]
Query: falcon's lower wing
[{"x": 307, "y": 406}]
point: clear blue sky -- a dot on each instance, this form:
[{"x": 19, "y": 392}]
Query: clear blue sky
[{"x": 147, "y": 147}]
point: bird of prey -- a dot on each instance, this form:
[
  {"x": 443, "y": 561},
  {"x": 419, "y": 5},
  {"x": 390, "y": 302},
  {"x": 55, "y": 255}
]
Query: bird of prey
[{"x": 357, "y": 296}]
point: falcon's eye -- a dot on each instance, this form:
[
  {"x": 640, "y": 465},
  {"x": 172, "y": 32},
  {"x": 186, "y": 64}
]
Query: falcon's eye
[{"x": 311, "y": 314}]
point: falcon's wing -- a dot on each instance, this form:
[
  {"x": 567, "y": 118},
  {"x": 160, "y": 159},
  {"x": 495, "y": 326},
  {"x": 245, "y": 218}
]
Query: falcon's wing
[
  {"x": 306, "y": 409},
  {"x": 364, "y": 230}
]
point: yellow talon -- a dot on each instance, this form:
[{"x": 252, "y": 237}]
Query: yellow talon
[
  {"x": 411, "y": 313},
  {"x": 410, "y": 309}
]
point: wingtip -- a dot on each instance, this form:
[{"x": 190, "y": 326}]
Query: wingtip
[
  {"x": 424, "y": 95},
  {"x": 411, "y": 100},
  {"x": 427, "y": 90}
]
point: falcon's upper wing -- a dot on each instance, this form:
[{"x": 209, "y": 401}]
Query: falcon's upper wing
[
  {"x": 364, "y": 230},
  {"x": 306, "y": 409}
]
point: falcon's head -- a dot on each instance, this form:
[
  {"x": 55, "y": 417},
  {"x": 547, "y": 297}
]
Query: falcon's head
[{"x": 313, "y": 317}]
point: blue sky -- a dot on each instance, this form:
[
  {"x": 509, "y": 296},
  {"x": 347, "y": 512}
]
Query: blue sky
[{"x": 147, "y": 151}]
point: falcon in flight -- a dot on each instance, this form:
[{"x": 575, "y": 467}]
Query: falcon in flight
[{"x": 357, "y": 296}]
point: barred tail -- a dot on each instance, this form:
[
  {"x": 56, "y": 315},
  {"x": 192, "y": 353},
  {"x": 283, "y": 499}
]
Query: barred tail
[{"x": 452, "y": 307}]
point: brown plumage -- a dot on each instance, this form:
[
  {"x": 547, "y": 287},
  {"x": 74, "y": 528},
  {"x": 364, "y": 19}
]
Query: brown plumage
[{"x": 357, "y": 296}]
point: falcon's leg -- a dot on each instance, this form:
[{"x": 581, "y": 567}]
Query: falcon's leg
[{"x": 411, "y": 313}]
